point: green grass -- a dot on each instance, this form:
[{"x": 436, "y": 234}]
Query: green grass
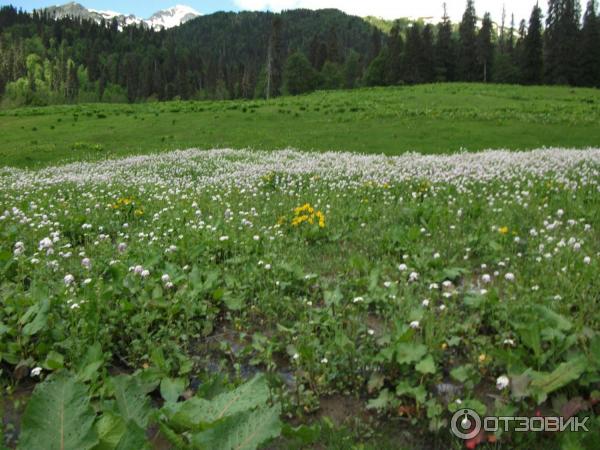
[{"x": 430, "y": 119}]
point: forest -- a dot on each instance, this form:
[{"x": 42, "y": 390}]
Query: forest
[{"x": 261, "y": 54}]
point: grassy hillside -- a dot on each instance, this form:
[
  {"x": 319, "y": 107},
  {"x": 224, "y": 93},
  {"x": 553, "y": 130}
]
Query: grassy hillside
[{"x": 429, "y": 119}]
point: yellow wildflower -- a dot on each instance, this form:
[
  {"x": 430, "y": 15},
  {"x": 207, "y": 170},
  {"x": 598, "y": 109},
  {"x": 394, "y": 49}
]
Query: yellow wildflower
[
  {"x": 503, "y": 230},
  {"x": 321, "y": 218}
]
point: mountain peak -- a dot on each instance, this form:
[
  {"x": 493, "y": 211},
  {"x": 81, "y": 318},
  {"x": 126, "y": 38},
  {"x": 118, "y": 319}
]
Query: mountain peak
[
  {"x": 172, "y": 17},
  {"x": 166, "y": 18}
]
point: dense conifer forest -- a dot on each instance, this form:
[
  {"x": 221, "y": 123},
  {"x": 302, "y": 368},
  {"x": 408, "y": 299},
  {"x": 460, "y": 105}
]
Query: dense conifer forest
[{"x": 261, "y": 54}]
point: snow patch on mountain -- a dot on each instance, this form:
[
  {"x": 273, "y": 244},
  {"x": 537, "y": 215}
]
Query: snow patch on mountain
[{"x": 167, "y": 18}]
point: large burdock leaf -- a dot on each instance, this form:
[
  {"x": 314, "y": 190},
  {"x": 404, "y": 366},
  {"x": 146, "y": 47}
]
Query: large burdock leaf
[
  {"x": 59, "y": 416},
  {"x": 243, "y": 431},
  {"x": 131, "y": 399},
  {"x": 197, "y": 413},
  {"x": 545, "y": 383}
]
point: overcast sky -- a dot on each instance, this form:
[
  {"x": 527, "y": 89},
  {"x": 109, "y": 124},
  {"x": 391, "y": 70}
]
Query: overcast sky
[{"x": 388, "y": 9}]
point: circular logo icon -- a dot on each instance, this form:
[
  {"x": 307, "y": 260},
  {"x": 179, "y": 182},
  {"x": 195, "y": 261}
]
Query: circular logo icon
[{"x": 465, "y": 424}]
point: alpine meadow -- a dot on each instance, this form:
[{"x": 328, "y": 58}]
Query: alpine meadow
[{"x": 299, "y": 229}]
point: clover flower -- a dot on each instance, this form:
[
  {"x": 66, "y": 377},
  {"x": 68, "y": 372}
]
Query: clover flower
[{"x": 502, "y": 382}]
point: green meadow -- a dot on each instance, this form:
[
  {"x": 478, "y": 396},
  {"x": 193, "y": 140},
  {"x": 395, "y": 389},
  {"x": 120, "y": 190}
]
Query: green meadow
[{"x": 428, "y": 119}]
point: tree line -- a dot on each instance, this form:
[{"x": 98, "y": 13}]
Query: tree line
[{"x": 262, "y": 55}]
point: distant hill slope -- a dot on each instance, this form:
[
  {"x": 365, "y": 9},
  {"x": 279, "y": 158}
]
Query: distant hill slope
[{"x": 245, "y": 35}]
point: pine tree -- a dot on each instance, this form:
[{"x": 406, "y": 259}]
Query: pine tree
[
  {"x": 445, "y": 54},
  {"x": 275, "y": 59},
  {"x": 532, "y": 63},
  {"x": 519, "y": 51},
  {"x": 485, "y": 48},
  {"x": 511, "y": 38},
  {"x": 502, "y": 38},
  {"x": 375, "y": 45},
  {"x": 377, "y": 71},
  {"x": 427, "y": 69},
  {"x": 561, "y": 42},
  {"x": 590, "y": 47},
  {"x": 413, "y": 54},
  {"x": 394, "y": 56},
  {"x": 467, "y": 49}
]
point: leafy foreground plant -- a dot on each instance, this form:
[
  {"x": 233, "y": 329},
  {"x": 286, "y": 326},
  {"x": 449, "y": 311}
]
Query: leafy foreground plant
[
  {"x": 383, "y": 292},
  {"x": 63, "y": 415}
]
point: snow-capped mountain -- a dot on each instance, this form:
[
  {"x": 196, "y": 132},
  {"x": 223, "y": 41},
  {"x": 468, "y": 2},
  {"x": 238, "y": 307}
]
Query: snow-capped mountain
[
  {"x": 167, "y": 18},
  {"x": 172, "y": 17}
]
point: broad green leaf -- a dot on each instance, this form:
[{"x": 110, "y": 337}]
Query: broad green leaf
[
  {"x": 110, "y": 429},
  {"x": 172, "y": 388},
  {"x": 40, "y": 320},
  {"x": 90, "y": 371},
  {"x": 546, "y": 383},
  {"x": 427, "y": 365},
  {"x": 408, "y": 352},
  {"x": 462, "y": 373},
  {"x": 173, "y": 437},
  {"x": 54, "y": 361},
  {"x": 530, "y": 335},
  {"x": 382, "y": 401},
  {"x": 419, "y": 393},
  {"x": 305, "y": 434},
  {"x": 474, "y": 300},
  {"x": 195, "y": 412},
  {"x": 89, "y": 367},
  {"x": 131, "y": 400},
  {"x": 242, "y": 431},
  {"x": 233, "y": 302},
  {"x": 453, "y": 273},
  {"x": 58, "y": 416},
  {"x": 134, "y": 438}
]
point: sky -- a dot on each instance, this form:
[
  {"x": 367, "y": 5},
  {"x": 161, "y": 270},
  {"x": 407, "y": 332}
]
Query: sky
[{"x": 388, "y": 9}]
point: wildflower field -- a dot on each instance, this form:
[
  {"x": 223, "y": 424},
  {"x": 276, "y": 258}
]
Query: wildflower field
[{"x": 236, "y": 299}]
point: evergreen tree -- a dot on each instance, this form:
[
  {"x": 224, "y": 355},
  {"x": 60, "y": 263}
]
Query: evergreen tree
[
  {"x": 519, "y": 51},
  {"x": 511, "y": 38},
  {"x": 352, "y": 70},
  {"x": 485, "y": 48},
  {"x": 413, "y": 54},
  {"x": 375, "y": 48},
  {"x": 468, "y": 69},
  {"x": 394, "y": 52},
  {"x": 377, "y": 72},
  {"x": 331, "y": 76},
  {"x": 445, "y": 55},
  {"x": 298, "y": 75},
  {"x": 590, "y": 47},
  {"x": 561, "y": 42},
  {"x": 275, "y": 59},
  {"x": 333, "y": 47},
  {"x": 427, "y": 69},
  {"x": 532, "y": 67}
]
